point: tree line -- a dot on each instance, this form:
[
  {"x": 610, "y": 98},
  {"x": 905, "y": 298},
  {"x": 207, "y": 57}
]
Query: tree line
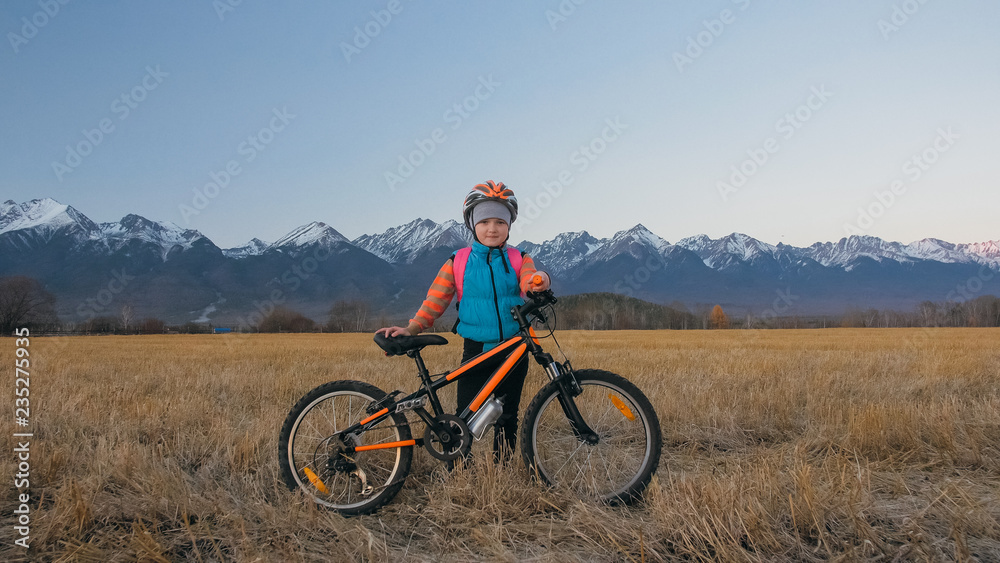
[
  {"x": 982, "y": 311},
  {"x": 25, "y": 302}
]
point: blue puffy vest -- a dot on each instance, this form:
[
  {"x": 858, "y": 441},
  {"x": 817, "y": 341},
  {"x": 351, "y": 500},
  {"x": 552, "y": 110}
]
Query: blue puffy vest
[{"x": 489, "y": 289}]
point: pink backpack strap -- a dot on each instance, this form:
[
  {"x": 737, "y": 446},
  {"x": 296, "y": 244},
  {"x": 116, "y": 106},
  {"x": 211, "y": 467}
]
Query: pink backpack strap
[
  {"x": 515, "y": 260},
  {"x": 458, "y": 269}
]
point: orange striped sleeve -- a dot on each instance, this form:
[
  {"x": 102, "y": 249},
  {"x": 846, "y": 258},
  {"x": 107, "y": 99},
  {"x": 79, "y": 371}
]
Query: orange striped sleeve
[
  {"x": 438, "y": 298},
  {"x": 527, "y": 271}
]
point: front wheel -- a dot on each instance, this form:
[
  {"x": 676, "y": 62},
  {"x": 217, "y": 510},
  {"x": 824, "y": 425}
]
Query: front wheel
[
  {"x": 615, "y": 469},
  {"x": 311, "y": 449}
]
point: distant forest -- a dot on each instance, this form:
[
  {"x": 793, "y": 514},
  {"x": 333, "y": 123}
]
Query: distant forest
[{"x": 24, "y": 302}]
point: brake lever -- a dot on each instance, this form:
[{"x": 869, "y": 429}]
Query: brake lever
[{"x": 540, "y": 316}]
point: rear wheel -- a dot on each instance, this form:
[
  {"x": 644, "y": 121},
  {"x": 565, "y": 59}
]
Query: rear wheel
[
  {"x": 311, "y": 449},
  {"x": 615, "y": 469}
]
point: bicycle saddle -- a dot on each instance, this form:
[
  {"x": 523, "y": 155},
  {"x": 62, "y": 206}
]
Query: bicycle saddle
[{"x": 402, "y": 344}]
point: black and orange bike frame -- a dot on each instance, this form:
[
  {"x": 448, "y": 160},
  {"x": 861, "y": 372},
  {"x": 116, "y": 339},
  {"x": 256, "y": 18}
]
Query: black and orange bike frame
[{"x": 507, "y": 354}]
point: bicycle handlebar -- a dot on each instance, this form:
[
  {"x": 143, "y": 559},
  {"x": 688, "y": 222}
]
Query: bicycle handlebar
[{"x": 536, "y": 302}]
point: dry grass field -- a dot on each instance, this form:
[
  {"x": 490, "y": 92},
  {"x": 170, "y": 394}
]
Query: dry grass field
[{"x": 783, "y": 445}]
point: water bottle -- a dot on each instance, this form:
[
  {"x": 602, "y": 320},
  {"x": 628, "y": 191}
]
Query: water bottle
[{"x": 487, "y": 414}]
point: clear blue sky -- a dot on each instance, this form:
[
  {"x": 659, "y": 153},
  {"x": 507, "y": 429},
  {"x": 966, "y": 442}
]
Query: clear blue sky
[{"x": 197, "y": 82}]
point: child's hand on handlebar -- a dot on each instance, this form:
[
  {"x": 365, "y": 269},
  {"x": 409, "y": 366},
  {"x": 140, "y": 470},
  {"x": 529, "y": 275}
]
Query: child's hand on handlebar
[{"x": 539, "y": 282}]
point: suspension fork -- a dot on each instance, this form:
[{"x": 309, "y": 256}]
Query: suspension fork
[
  {"x": 568, "y": 389},
  {"x": 564, "y": 378}
]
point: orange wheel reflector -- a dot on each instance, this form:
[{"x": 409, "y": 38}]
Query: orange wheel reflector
[
  {"x": 315, "y": 480},
  {"x": 622, "y": 407}
]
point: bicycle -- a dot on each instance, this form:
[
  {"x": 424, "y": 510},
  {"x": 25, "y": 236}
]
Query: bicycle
[{"x": 348, "y": 445}]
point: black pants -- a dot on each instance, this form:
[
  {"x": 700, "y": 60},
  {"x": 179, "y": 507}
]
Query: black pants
[{"x": 469, "y": 385}]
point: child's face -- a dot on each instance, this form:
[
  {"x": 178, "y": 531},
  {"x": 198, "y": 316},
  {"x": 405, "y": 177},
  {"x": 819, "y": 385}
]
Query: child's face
[{"x": 492, "y": 232}]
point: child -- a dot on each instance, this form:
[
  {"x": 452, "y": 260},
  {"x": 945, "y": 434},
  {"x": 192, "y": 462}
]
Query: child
[{"x": 490, "y": 287}]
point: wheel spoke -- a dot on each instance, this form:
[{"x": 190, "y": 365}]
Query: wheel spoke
[
  {"x": 620, "y": 463},
  {"x": 313, "y": 440}
]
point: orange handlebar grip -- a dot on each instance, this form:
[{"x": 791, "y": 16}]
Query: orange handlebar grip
[{"x": 536, "y": 280}]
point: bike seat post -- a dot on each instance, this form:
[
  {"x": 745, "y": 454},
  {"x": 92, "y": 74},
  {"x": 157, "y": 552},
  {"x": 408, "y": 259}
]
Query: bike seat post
[
  {"x": 425, "y": 379},
  {"x": 421, "y": 368}
]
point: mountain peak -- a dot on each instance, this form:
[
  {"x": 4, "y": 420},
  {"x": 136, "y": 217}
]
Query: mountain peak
[
  {"x": 255, "y": 247},
  {"x": 45, "y": 215},
  {"x": 564, "y": 251},
  {"x": 403, "y": 244},
  {"x": 133, "y": 223},
  {"x": 316, "y": 232},
  {"x": 738, "y": 237},
  {"x": 641, "y": 235},
  {"x": 639, "y": 228},
  {"x": 729, "y": 251},
  {"x": 133, "y": 228},
  {"x": 637, "y": 242}
]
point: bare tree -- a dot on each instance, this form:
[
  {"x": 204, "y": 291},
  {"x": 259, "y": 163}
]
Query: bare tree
[
  {"x": 23, "y": 301},
  {"x": 125, "y": 317},
  {"x": 612, "y": 312},
  {"x": 701, "y": 312},
  {"x": 347, "y": 316}
]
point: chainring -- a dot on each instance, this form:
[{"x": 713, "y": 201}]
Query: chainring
[{"x": 457, "y": 447}]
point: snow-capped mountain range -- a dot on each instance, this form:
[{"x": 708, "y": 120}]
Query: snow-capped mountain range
[
  {"x": 405, "y": 243},
  {"x": 43, "y": 237},
  {"x": 39, "y": 220},
  {"x": 569, "y": 249}
]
